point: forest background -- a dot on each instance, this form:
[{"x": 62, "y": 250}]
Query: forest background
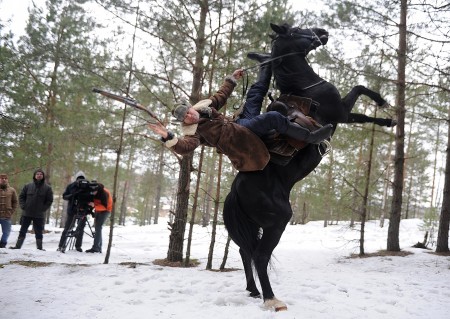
[{"x": 161, "y": 51}]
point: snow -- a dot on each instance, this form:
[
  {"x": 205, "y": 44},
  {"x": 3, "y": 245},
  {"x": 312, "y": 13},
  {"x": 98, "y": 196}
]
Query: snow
[{"x": 311, "y": 273}]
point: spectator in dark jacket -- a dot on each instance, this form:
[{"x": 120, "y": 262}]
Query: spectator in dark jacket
[{"x": 34, "y": 200}]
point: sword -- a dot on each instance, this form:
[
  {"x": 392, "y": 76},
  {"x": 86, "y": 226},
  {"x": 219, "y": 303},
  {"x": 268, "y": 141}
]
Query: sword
[{"x": 128, "y": 101}]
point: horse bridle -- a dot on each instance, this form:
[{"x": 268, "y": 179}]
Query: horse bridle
[{"x": 313, "y": 36}]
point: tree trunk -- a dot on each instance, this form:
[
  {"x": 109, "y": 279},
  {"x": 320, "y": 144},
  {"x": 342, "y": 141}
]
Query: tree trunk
[
  {"x": 159, "y": 185},
  {"x": 176, "y": 239},
  {"x": 328, "y": 195},
  {"x": 366, "y": 191},
  {"x": 225, "y": 254},
  {"x": 216, "y": 212},
  {"x": 144, "y": 212},
  {"x": 119, "y": 151},
  {"x": 123, "y": 204},
  {"x": 433, "y": 180},
  {"x": 178, "y": 227},
  {"x": 355, "y": 211},
  {"x": 386, "y": 185},
  {"x": 408, "y": 154},
  {"x": 442, "y": 238},
  {"x": 114, "y": 190},
  {"x": 127, "y": 185},
  {"x": 304, "y": 214},
  {"x": 393, "y": 243},
  {"x": 206, "y": 216},
  {"x": 194, "y": 207}
]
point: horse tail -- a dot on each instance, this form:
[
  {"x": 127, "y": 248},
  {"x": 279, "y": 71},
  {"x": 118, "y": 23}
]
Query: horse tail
[{"x": 241, "y": 230}]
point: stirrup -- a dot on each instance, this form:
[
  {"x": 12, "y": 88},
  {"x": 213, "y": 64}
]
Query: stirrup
[{"x": 327, "y": 148}]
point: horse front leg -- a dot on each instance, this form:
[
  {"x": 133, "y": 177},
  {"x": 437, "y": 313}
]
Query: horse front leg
[
  {"x": 251, "y": 284},
  {"x": 361, "y": 118},
  {"x": 261, "y": 258},
  {"x": 350, "y": 99}
]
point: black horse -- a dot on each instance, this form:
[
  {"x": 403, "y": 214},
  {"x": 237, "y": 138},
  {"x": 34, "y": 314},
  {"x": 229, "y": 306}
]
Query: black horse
[{"x": 257, "y": 209}]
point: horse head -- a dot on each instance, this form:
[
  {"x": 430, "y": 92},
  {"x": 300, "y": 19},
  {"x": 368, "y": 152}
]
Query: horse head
[
  {"x": 290, "y": 46},
  {"x": 295, "y": 40}
]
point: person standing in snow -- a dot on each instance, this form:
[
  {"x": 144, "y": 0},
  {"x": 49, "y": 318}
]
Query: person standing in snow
[
  {"x": 8, "y": 206},
  {"x": 103, "y": 204},
  {"x": 34, "y": 200},
  {"x": 70, "y": 195}
]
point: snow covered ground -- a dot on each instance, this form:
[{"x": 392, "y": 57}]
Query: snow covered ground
[{"x": 311, "y": 273}]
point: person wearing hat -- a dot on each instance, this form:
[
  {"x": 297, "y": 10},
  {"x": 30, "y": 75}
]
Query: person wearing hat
[
  {"x": 103, "y": 205},
  {"x": 241, "y": 141},
  {"x": 70, "y": 195},
  {"x": 34, "y": 200},
  {"x": 8, "y": 206}
]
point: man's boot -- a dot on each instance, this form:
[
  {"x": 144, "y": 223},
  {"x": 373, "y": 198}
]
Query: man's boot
[
  {"x": 2, "y": 244},
  {"x": 298, "y": 132},
  {"x": 265, "y": 69},
  {"x": 39, "y": 244},
  {"x": 19, "y": 243},
  {"x": 260, "y": 57}
]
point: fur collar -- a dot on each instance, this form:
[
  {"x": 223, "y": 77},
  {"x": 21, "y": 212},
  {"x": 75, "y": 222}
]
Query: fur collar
[
  {"x": 189, "y": 129},
  {"x": 201, "y": 107}
]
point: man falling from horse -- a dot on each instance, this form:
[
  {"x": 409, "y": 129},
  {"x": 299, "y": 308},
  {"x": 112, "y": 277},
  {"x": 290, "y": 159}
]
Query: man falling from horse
[{"x": 240, "y": 140}]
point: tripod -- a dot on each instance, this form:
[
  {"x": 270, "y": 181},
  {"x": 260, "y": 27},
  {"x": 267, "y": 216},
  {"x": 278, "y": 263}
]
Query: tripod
[{"x": 76, "y": 230}]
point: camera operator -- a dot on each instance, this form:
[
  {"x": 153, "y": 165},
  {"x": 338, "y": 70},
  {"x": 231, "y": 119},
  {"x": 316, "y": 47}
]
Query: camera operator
[
  {"x": 70, "y": 194},
  {"x": 103, "y": 204}
]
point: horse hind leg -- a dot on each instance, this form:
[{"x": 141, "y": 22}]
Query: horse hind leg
[
  {"x": 350, "y": 99},
  {"x": 251, "y": 284},
  {"x": 261, "y": 257},
  {"x": 271, "y": 303}
]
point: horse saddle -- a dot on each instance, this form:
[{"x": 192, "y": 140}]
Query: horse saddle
[{"x": 298, "y": 109}]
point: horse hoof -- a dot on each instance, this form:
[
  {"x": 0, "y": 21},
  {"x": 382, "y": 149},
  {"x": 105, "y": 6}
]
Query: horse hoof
[
  {"x": 383, "y": 105},
  {"x": 284, "y": 308},
  {"x": 275, "y": 304}
]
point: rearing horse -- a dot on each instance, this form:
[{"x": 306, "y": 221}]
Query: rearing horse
[
  {"x": 293, "y": 75},
  {"x": 257, "y": 209}
]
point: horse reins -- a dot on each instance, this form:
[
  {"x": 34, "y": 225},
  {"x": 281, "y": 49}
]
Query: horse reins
[
  {"x": 245, "y": 85},
  {"x": 273, "y": 59}
]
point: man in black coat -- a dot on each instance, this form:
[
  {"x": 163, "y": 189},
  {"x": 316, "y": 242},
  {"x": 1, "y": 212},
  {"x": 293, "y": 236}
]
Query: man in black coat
[{"x": 34, "y": 200}]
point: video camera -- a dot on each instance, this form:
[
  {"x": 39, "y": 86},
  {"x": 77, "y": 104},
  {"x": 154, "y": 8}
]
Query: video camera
[
  {"x": 84, "y": 185},
  {"x": 83, "y": 195}
]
